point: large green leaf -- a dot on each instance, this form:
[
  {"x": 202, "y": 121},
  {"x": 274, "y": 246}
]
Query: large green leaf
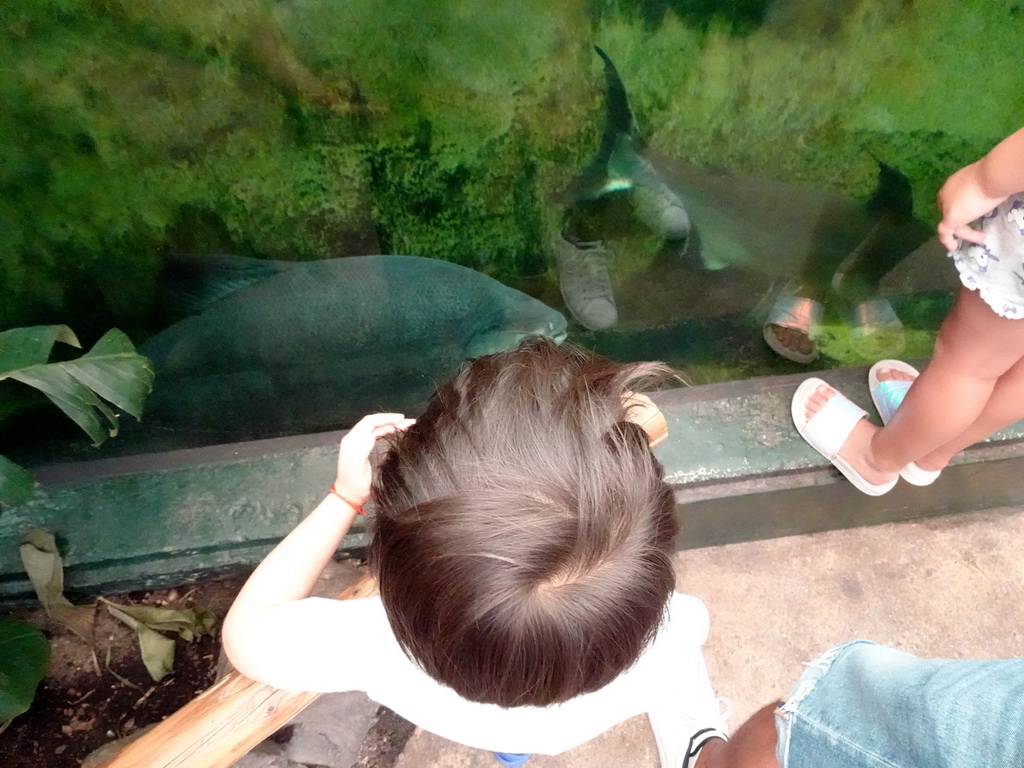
[
  {"x": 16, "y": 485},
  {"x": 24, "y": 347},
  {"x": 24, "y": 654},
  {"x": 111, "y": 370},
  {"x": 116, "y": 372},
  {"x": 72, "y": 397}
]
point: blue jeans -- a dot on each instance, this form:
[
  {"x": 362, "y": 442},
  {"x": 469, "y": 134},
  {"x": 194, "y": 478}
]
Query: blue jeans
[{"x": 862, "y": 705}]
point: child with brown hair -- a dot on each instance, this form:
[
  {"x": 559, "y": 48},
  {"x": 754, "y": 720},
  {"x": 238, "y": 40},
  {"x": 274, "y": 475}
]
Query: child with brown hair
[{"x": 523, "y": 549}]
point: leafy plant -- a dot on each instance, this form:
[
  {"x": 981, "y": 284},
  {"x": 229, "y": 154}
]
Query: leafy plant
[
  {"x": 45, "y": 570},
  {"x": 24, "y": 653},
  {"x": 111, "y": 372},
  {"x": 157, "y": 649}
]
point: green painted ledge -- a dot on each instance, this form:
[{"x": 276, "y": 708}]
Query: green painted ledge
[{"x": 740, "y": 472}]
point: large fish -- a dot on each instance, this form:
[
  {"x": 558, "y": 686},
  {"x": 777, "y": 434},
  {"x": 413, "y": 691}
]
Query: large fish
[
  {"x": 787, "y": 230},
  {"x": 729, "y": 219},
  {"x": 283, "y": 348},
  {"x": 618, "y": 165}
]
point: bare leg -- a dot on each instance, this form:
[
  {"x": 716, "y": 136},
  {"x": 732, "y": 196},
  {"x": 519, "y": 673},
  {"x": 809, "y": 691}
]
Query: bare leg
[
  {"x": 1004, "y": 407},
  {"x": 948, "y": 403},
  {"x": 975, "y": 349},
  {"x": 751, "y": 746}
]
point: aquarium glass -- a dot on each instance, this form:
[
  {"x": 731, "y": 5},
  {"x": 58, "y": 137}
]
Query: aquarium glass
[{"x": 741, "y": 188}]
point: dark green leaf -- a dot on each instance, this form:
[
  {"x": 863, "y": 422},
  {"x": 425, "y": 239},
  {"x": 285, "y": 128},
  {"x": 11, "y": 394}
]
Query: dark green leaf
[
  {"x": 16, "y": 484},
  {"x": 116, "y": 372},
  {"x": 111, "y": 370},
  {"x": 24, "y": 347},
  {"x": 24, "y": 654},
  {"x": 72, "y": 397}
]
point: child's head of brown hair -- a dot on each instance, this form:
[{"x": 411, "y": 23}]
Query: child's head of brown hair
[{"x": 524, "y": 530}]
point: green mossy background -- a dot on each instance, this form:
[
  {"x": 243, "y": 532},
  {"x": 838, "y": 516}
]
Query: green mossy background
[{"x": 313, "y": 129}]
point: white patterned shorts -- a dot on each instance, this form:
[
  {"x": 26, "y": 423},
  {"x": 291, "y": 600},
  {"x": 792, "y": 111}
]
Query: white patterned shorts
[{"x": 996, "y": 269}]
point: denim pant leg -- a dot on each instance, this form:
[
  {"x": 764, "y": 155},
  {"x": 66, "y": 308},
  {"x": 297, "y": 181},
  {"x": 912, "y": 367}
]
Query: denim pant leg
[{"x": 862, "y": 705}]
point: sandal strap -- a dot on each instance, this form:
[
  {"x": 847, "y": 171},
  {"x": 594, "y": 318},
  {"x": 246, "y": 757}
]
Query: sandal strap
[
  {"x": 828, "y": 428},
  {"x": 697, "y": 742},
  {"x": 889, "y": 395},
  {"x": 798, "y": 313}
]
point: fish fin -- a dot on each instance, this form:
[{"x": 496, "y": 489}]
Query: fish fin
[
  {"x": 194, "y": 282},
  {"x": 619, "y": 118},
  {"x": 893, "y": 194},
  {"x": 601, "y": 175},
  {"x": 595, "y": 182}
]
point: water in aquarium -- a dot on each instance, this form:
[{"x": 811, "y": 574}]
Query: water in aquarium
[{"x": 302, "y": 211}]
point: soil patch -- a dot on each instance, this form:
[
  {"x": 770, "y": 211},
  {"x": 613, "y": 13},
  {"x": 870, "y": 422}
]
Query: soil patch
[
  {"x": 87, "y": 699},
  {"x": 385, "y": 741}
]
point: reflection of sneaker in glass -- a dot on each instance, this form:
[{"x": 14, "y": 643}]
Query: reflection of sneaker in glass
[
  {"x": 583, "y": 275},
  {"x": 660, "y": 209},
  {"x": 875, "y": 315}
]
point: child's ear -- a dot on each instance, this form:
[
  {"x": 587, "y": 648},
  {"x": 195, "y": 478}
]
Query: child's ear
[{"x": 641, "y": 411}]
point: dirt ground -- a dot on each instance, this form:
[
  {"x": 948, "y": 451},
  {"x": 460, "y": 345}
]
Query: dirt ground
[{"x": 87, "y": 700}]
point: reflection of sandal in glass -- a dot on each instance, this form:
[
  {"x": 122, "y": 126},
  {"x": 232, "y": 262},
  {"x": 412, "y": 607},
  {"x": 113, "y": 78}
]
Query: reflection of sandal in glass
[
  {"x": 877, "y": 319},
  {"x": 797, "y": 314},
  {"x": 887, "y": 396}
]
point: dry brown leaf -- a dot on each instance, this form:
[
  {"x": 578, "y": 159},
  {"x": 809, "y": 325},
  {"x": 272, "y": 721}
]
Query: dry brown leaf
[{"x": 45, "y": 570}]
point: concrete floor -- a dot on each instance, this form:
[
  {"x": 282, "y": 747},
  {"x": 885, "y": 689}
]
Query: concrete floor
[{"x": 949, "y": 587}]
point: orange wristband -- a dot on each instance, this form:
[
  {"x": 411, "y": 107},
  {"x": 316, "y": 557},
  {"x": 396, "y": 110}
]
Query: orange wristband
[{"x": 359, "y": 510}]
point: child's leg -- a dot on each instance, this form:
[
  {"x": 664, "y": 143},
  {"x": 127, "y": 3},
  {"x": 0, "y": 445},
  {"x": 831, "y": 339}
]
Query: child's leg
[
  {"x": 751, "y": 746},
  {"x": 1004, "y": 407},
  {"x": 975, "y": 349},
  {"x": 862, "y": 705}
]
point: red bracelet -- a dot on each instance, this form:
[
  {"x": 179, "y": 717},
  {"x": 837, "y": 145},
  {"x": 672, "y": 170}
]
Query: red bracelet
[{"x": 359, "y": 510}]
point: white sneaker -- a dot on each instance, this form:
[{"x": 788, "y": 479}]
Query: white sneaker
[
  {"x": 705, "y": 716},
  {"x": 585, "y": 280},
  {"x": 697, "y": 742}
]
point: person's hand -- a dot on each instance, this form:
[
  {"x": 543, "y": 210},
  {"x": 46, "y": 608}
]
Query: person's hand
[
  {"x": 354, "y": 471},
  {"x": 962, "y": 199}
]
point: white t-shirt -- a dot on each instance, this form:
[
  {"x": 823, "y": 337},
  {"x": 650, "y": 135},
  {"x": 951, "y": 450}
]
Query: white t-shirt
[{"x": 347, "y": 645}]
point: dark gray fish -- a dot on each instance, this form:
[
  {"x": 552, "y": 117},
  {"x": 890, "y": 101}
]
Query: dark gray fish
[
  {"x": 311, "y": 346},
  {"x": 783, "y": 229}
]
